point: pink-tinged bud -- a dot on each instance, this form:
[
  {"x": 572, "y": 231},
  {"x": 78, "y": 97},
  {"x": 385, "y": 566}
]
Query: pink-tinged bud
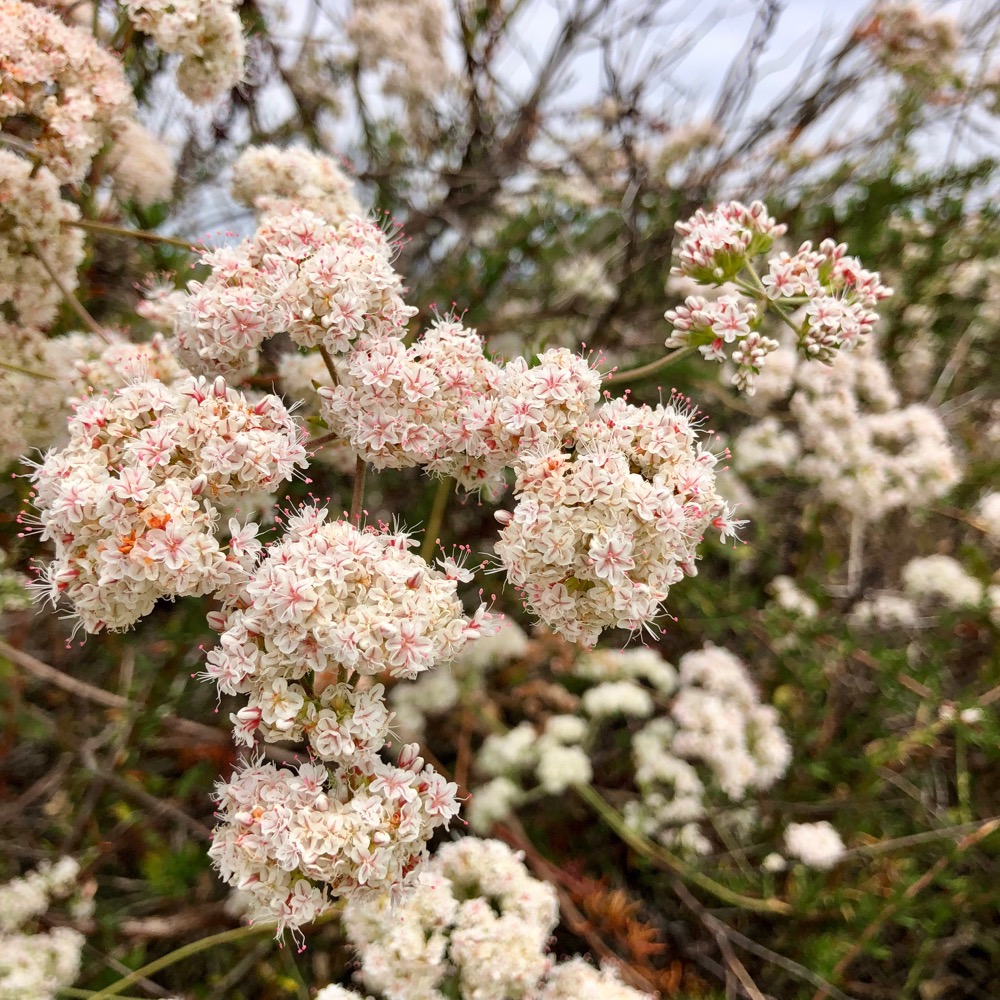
[
  {"x": 249, "y": 716},
  {"x": 503, "y": 517},
  {"x": 264, "y": 406},
  {"x": 219, "y": 388},
  {"x": 410, "y": 759},
  {"x": 414, "y": 581},
  {"x": 198, "y": 485},
  {"x": 217, "y": 620}
]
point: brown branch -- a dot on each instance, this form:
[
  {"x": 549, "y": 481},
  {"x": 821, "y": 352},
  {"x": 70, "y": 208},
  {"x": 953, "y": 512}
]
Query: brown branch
[
  {"x": 70, "y": 297},
  {"x": 42, "y": 671}
]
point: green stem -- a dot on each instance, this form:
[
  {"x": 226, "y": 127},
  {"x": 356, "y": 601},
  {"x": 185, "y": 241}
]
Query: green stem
[
  {"x": 179, "y": 954},
  {"x": 27, "y": 371},
  {"x": 440, "y": 505},
  {"x": 73, "y": 991},
  {"x": 654, "y": 852},
  {"x": 962, "y": 782},
  {"x": 358, "y": 493},
  {"x": 644, "y": 371},
  {"x": 132, "y": 234}
]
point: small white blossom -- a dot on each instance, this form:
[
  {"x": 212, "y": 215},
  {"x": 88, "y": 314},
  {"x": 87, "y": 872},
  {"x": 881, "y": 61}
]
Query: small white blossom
[{"x": 817, "y": 845}]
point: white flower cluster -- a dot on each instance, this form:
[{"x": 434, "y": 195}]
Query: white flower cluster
[
  {"x": 32, "y": 409},
  {"x": 31, "y": 216},
  {"x": 574, "y": 979},
  {"x": 274, "y": 181},
  {"x": 788, "y": 596},
  {"x": 441, "y": 404},
  {"x": 716, "y": 718},
  {"x": 475, "y": 926},
  {"x": 716, "y": 245},
  {"x": 913, "y": 42},
  {"x": 987, "y": 516},
  {"x": 35, "y": 966},
  {"x": 70, "y": 93},
  {"x": 207, "y": 34},
  {"x": 942, "y": 580},
  {"x": 129, "y": 502},
  {"x": 929, "y": 584},
  {"x": 58, "y": 372},
  {"x": 328, "y": 604},
  {"x": 817, "y": 845},
  {"x": 867, "y": 454},
  {"x": 403, "y": 40},
  {"x": 841, "y": 296},
  {"x": 331, "y": 601},
  {"x": 884, "y": 611},
  {"x": 838, "y": 295},
  {"x": 707, "y": 712},
  {"x": 323, "y": 284},
  {"x": 295, "y": 841},
  {"x": 104, "y": 366},
  {"x": 403, "y": 406},
  {"x": 766, "y": 444},
  {"x": 598, "y": 536},
  {"x": 142, "y": 166}
]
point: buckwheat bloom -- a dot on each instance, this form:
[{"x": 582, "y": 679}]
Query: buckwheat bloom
[
  {"x": 32, "y": 410},
  {"x": 98, "y": 366},
  {"x": 402, "y": 41},
  {"x": 987, "y": 514},
  {"x": 68, "y": 93},
  {"x": 574, "y": 979},
  {"x": 866, "y": 454},
  {"x": 274, "y": 181},
  {"x": 402, "y": 407},
  {"x": 787, "y": 595},
  {"x": 913, "y": 42},
  {"x": 766, "y": 445},
  {"x": 207, "y": 34},
  {"x": 943, "y": 579},
  {"x": 547, "y": 401},
  {"x": 35, "y": 964},
  {"x": 335, "y": 992},
  {"x": 474, "y": 925},
  {"x": 31, "y": 215},
  {"x": 884, "y": 611},
  {"x": 721, "y": 721},
  {"x": 297, "y": 841},
  {"x": 842, "y": 296},
  {"x": 326, "y": 603},
  {"x": 710, "y": 325},
  {"x": 717, "y": 245},
  {"x": 322, "y": 284},
  {"x": 128, "y": 503},
  {"x": 597, "y": 538},
  {"x": 707, "y": 733},
  {"x": 717, "y": 735},
  {"x": 142, "y": 166},
  {"x": 817, "y": 845},
  {"x": 837, "y": 294}
]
